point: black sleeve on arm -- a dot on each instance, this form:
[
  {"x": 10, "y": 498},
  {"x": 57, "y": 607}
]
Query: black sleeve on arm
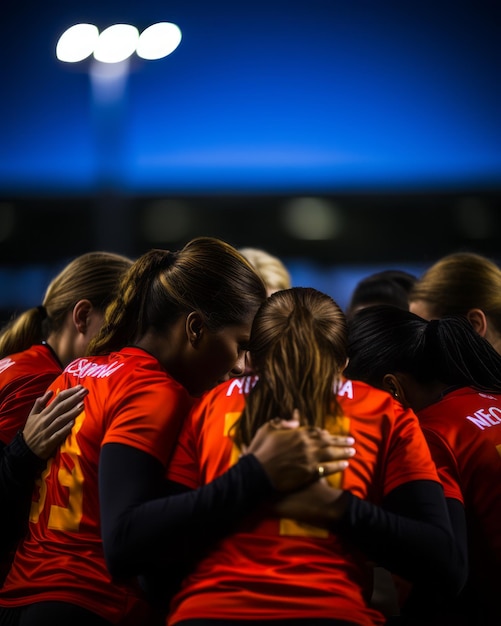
[
  {"x": 410, "y": 535},
  {"x": 19, "y": 468},
  {"x": 424, "y": 601},
  {"x": 142, "y": 528}
]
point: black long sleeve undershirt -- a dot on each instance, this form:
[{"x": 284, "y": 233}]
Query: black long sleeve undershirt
[
  {"x": 411, "y": 535},
  {"x": 429, "y": 599},
  {"x": 19, "y": 468},
  {"x": 142, "y": 527},
  {"x": 141, "y": 530}
]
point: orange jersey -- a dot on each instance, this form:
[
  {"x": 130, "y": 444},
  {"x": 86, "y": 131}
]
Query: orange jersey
[
  {"x": 24, "y": 377},
  {"x": 463, "y": 430},
  {"x": 280, "y": 568},
  {"x": 133, "y": 401}
]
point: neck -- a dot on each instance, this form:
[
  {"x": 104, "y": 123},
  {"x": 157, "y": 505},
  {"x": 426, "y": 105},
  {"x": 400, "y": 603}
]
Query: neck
[
  {"x": 429, "y": 393},
  {"x": 494, "y": 338}
]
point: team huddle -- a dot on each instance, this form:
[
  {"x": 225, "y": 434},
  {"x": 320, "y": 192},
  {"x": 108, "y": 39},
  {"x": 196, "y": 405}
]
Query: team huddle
[{"x": 187, "y": 439}]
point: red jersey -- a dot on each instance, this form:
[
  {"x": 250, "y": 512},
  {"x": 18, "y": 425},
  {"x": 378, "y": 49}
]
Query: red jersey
[
  {"x": 24, "y": 377},
  {"x": 280, "y": 568},
  {"x": 463, "y": 430},
  {"x": 133, "y": 401}
]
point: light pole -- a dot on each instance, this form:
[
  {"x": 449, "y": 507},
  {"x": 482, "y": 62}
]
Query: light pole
[{"x": 109, "y": 53}]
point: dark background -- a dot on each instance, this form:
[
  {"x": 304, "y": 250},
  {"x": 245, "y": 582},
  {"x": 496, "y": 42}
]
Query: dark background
[{"x": 344, "y": 137}]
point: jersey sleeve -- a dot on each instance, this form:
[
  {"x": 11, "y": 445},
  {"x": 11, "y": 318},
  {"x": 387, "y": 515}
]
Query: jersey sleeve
[
  {"x": 184, "y": 467},
  {"x": 409, "y": 456},
  {"x": 18, "y": 399},
  {"x": 149, "y": 418},
  {"x": 446, "y": 464}
]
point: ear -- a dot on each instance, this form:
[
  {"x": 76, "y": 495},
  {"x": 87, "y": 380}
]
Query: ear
[
  {"x": 477, "y": 319},
  {"x": 394, "y": 385},
  {"x": 81, "y": 312},
  {"x": 194, "y": 328}
]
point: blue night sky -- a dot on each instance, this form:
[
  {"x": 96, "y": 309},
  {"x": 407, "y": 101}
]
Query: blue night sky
[{"x": 268, "y": 96}]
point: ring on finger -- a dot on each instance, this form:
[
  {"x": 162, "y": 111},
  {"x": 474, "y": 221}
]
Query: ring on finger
[{"x": 320, "y": 471}]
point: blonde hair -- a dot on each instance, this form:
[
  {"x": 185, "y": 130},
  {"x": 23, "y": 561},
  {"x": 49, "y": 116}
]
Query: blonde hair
[
  {"x": 459, "y": 282},
  {"x": 271, "y": 269},
  {"x": 93, "y": 276}
]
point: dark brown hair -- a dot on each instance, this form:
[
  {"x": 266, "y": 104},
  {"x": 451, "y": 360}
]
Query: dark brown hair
[{"x": 207, "y": 275}]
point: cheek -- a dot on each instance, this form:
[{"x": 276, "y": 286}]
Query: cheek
[
  {"x": 216, "y": 364},
  {"x": 227, "y": 358},
  {"x": 91, "y": 331},
  {"x": 94, "y": 326}
]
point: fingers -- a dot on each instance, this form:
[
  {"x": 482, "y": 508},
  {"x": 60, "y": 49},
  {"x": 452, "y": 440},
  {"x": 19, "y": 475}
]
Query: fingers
[
  {"x": 334, "y": 440},
  {"x": 52, "y": 437},
  {"x": 276, "y": 423},
  {"x": 333, "y": 453},
  {"x": 330, "y": 447},
  {"x": 67, "y": 399},
  {"x": 71, "y": 395},
  {"x": 337, "y": 453},
  {"x": 326, "y": 469},
  {"x": 60, "y": 434},
  {"x": 41, "y": 402},
  {"x": 325, "y": 438},
  {"x": 341, "y": 440},
  {"x": 66, "y": 407},
  {"x": 47, "y": 426}
]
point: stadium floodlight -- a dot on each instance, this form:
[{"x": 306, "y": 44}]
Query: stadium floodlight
[
  {"x": 77, "y": 43},
  {"x": 158, "y": 40}
]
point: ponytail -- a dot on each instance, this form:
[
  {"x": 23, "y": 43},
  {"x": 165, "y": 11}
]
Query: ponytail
[{"x": 27, "y": 329}]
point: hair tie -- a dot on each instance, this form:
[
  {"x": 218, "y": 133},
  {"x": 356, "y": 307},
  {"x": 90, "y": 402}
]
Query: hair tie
[
  {"x": 431, "y": 335},
  {"x": 170, "y": 258},
  {"x": 42, "y": 310},
  {"x": 432, "y": 326}
]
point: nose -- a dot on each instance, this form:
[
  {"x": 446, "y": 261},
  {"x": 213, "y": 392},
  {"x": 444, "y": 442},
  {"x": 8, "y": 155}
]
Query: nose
[{"x": 239, "y": 368}]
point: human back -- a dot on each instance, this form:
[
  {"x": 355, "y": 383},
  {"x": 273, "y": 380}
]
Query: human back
[
  {"x": 172, "y": 330},
  {"x": 451, "y": 377},
  {"x": 64, "y": 524},
  {"x": 38, "y": 343},
  {"x": 466, "y": 425},
  {"x": 276, "y": 565},
  {"x": 35, "y": 346}
]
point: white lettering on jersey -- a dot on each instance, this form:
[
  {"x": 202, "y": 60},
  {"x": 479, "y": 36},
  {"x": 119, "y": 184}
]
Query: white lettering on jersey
[
  {"x": 5, "y": 364},
  {"x": 485, "y": 418},
  {"x": 241, "y": 385},
  {"x": 84, "y": 368},
  {"x": 346, "y": 389},
  {"x": 484, "y": 395}
]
